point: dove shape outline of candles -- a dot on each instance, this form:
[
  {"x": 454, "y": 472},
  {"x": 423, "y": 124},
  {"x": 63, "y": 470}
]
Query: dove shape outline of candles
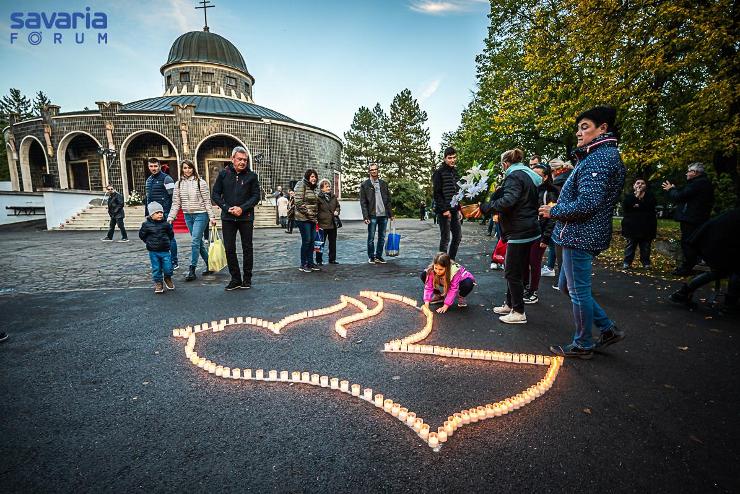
[{"x": 435, "y": 437}]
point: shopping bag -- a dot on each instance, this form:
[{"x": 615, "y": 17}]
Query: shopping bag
[
  {"x": 318, "y": 243},
  {"x": 393, "y": 246},
  {"x": 499, "y": 253},
  {"x": 216, "y": 251}
]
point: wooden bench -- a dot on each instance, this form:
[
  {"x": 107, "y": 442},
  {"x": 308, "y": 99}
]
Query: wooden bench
[{"x": 26, "y": 210}]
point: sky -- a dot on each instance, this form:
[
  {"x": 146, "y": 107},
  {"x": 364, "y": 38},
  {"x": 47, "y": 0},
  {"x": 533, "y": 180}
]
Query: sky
[{"x": 316, "y": 61}]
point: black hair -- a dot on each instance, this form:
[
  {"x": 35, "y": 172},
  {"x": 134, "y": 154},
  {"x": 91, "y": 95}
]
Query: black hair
[
  {"x": 548, "y": 171},
  {"x": 152, "y": 160},
  {"x": 600, "y": 115},
  {"x": 307, "y": 177},
  {"x": 450, "y": 151}
]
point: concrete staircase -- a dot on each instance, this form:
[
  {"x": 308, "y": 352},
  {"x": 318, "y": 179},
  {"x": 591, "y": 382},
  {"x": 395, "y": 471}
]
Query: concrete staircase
[{"x": 95, "y": 218}]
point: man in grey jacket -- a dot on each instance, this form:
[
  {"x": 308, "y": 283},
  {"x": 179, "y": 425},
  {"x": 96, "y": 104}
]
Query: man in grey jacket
[{"x": 375, "y": 201}]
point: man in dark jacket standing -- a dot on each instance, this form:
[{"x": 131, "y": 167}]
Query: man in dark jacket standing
[
  {"x": 375, "y": 201},
  {"x": 444, "y": 184},
  {"x": 116, "y": 213},
  {"x": 159, "y": 189},
  {"x": 694, "y": 206},
  {"x": 237, "y": 192},
  {"x": 516, "y": 202}
]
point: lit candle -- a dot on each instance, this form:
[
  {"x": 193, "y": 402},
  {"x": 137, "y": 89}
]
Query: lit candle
[
  {"x": 343, "y": 386},
  {"x": 395, "y": 409},
  {"x": 449, "y": 428},
  {"x": 442, "y": 435},
  {"x": 411, "y": 419},
  {"x": 465, "y": 417},
  {"x": 259, "y": 374},
  {"x": 212, "y": 368},
  {"x": 367, "y": 394},
  {"x": 378, "y": 400},
  {"x": 473, "y": 413},
  {"x": 424, "y": 431},
  {"x": 284, "y": 375},
  {"x": 273, "y": 375},
  {"x": 334, "y": 383},
  {"x": 417, "y": 425},
  {"x": 458, "y": 420},
  {"x": 324, "y": 381},
  {"x": 433, "y": 440},
  {"x": 197, "y": 328},
  {"x": 236, "y": 373},
  {"x": 239, "y": 320},
  {"x": 306, "y": 377},
  {"x": 387, "y": 405},
  {"x": 482, "y": 413},
  {"x": 226, "y": 372},
  {"x": 219, "y": 370},
  {"x": 355, "y": 390},
  {"x": 402, "y": 414},
  {"x": 315, "y": 379},
  {"x": 295, "y": 376},
  {"x": 176, "y": 333},
  {"x": 247, "y": 373}
]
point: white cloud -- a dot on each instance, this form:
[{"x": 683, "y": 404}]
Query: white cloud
[
  {"x": 429, "y": 89},
  {"x": 437, "y": 7}
]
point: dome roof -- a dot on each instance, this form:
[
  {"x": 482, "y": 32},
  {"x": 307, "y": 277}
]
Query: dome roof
[
  {"x": 206, "y": 105},
  {"x": 204, "y": 46}
]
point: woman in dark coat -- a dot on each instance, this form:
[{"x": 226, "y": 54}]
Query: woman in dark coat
[
  {"x": 328, "y": 210},
  {"x": 639, "y": 224}
]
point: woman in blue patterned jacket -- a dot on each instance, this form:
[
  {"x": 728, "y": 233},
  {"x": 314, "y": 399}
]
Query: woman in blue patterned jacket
[{"x": 584, "y": 226}]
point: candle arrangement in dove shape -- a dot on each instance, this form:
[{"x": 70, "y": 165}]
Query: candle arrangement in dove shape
[{"x": 409, "y": 344}]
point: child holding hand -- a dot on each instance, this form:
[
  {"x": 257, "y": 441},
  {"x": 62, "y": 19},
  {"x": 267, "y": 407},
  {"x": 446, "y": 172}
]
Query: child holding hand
[{"x": 444, "y": 281}]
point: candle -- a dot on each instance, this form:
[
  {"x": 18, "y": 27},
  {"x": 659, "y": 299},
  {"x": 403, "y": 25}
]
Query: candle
[
  {"x": 368, "y": 394},
  {"x": 219, "y": 370},
  {"x": 410, "y": 419},
  {"x": 324, "y": 381},
  {"x": 449, "y": 428},
  {"x": 433, "y": 440},
  {"x": 395, "y": 409},
  {"x": 473, "y": 414},
  {"x": 387, "y": 405},
  {"x": 417, "y": 425},
  {"x": 355, "y": 390},
  {"x": 315, "y": 379},
  {"x": 273, "y": 375},
  {"x": 378, "y": 400},
  {"x": 442, "y": 435},
  {"x": 197, "y": 328},
  {"x": 334, "y": 383},
  {"x": 239, "y": 320},
  {"x": 176, "y": 333},
  {"x": 481, "y": 413},
  {"x": 259, "y": 374},
  {"x": 211, "y": 368},
  {"x": 284, "y": 375},
  {"x": 247, "y": 373},
  {"x": 344, "y": 386},
  {"x": 465, "y": 417},
  {"x": 295, "y": 376},
  {"x": 402, "y": 414},
  {"x": 236, "y": 373},
  {"x": 458, "y": 420},
  {"x": 306, "y": 377}
]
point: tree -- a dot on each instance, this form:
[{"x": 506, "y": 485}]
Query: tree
[
  {"x": 360, "y": 149},
  {"x": 40, "y": 102},
  {"x": 15, "y": 102},
  {"x": 408, "y": 141}
]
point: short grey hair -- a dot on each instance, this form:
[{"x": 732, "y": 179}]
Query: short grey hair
[
  {"x": 697, "y": 167},
  {"x": 323, "y": 181},
  {"x": 239, "y": 149}
]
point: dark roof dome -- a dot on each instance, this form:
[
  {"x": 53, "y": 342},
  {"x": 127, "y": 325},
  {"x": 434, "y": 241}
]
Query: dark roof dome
[{"x": 207, "y": 47}]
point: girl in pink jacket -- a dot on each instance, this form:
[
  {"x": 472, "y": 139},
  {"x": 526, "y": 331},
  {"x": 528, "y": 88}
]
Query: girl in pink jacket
[{"x": 444, "y": 280}]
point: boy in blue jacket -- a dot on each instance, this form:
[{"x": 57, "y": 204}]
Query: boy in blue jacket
[{"x": 157, "y": 234}]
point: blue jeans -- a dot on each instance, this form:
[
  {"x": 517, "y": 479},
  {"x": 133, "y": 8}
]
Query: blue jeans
[
  {"x": 376, "y": 223},
  {"x": 575, "y": 280},
  {"x": 308, "y": 235},
  {"x": 161, "y": 263},
  {"x": 197, "y": 223},
  {"x": 551, "y": 256}
]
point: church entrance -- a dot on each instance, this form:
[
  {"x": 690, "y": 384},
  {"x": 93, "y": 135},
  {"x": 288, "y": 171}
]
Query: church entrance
[
  {"x": 142, "y": 147},
  {"x": 213, "y": 155}
]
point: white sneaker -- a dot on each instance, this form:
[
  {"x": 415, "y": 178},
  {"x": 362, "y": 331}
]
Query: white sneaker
[
  {"x": 461, "y": 302},
  {"x": 513, "y": 318},
  {"x": 546, "y": 271},
  {"x": 504, "y": 309},
  {"x": 496, "y": 266}
]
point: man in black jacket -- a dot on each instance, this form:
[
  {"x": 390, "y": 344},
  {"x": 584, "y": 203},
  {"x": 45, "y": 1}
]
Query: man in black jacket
[
  {"x": 237, "y": 192},
  {"x": 375, "y": 201},
  {"x": 444, "y": 183},
  {"x": 694, "y": 206},
  {"x": 116, "y": 213}
]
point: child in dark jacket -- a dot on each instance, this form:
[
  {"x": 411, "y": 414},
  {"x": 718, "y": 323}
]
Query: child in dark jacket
[{"x": 157, "y": 235}]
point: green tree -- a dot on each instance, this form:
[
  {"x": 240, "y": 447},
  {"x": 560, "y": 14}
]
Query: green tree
[
  {"x": 15, "y": 102},
  {"x": 408, "y": 141},
  {"x": 407, "y": 195},
  {"x": 39, "y": 102}
]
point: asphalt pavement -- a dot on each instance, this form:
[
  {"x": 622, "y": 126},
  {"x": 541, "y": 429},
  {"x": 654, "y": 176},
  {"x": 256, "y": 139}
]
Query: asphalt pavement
[{"x": 99, "y": 397}]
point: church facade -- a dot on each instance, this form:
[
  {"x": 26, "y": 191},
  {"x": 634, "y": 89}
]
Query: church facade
[{"x": 206, "y": 110}]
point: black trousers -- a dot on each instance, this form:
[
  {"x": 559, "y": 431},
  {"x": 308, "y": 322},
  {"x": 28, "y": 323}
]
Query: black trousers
[
  {"x": 466, "y": 285},
  {"x": 689, "y": 254},
  {"x": 331, "y": 239},
  {"x": 112, "y": 228},
  {"x": 245, "y": 229},
  {"x": 291, "y": 224},
  {"x": 632, "y": 244},
  {"x": 516, "y": 264},
  {"x": 449, "y": 226}
]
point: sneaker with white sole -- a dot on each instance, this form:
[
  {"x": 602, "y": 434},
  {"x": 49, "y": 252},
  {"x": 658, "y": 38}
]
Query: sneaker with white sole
[
  {"x": 106, "y": 239},
  {"x": 514, "y": 317},
  {"x": 531, "y": 298},
  {"x": 461, "y": 302},
  {"x": 546, "y": 271},
  {"x": 504, "y": 309}
]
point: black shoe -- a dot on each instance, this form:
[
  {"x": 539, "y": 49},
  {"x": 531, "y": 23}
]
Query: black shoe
[
  {"x": 379, "y": 260},
  {"x": 207, "y": 272},
  {"x": 247, "y": 284},
  {"x": 371, "y": 260},
  {"x": 3, "y": 336},
  {"x": 682, "y": 296},
  {"x": 233, "y": 285},
  {"x": 314, "y": 267},
  {"x": 333, "y": 262},
  {"x": 319, "y": 263},
  {"x": 175, "y": 266},
  {"x": 609, "y": 337},
  {"x": 571, "y": 350},
  {"x": 191, "y": 274},
  {"x": 304, "y": 269}
]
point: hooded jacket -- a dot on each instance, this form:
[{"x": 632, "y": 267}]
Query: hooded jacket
[
  {"x": 458, "y": 273},
  {"x": 306, "y": 202},
  {"x": 695, "y": 200},
  {"x": 517, "y": 203},
  {"x": 236, "y": 189},
  {"x": 586, "y": 203}
]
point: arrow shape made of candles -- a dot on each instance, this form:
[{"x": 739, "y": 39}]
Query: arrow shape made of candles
[{"x": 408, "y": 344}]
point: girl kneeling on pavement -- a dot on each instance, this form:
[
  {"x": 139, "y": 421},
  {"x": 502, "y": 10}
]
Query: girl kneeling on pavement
[{"x": 444, "y": 281}]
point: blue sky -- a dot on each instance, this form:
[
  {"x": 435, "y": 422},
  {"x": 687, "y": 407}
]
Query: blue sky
[{"x": 315, "y": 61}]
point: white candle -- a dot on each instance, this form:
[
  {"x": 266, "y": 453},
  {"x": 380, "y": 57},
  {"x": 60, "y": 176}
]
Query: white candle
[
  {"x": 442, "y": 435},
  {"x": 387, "y": 405},
  {"x": 417, "y": 425},
  {"x": 240, "y": 320},
  {"x": 259, "y": 374},
  {"x": 236, "y": 373},
  {"x": 219, "y": 370},
  {"x": 395, "y": 409},
  {"x": 197, "y": 328},
  {"x": 378, "y": 400},
  {"x": 176, "y": 333},
  {"x": 324, "y": 381},
  {"x": 449, "y": 427},
  {"x": 368, "y": 394},
  {"x": 306, "y": 377},
  {"x": 334, "y": 383},
  {"x": 273, "y": 375},
  {"x": 247, "y": 373},
  {"x": 343, "y": 386},
  {"x": 355, "y": 390},
  {"x": 295, "y": 376},
  {"x": 315, "y": 379},
  {"x": 411, "y": 419},
  {"x": 402, "y": 414},
  {"x": 284, "y": 375},
  {"x": 433, "y": 440},
  {"x": 465, "y": 417}
]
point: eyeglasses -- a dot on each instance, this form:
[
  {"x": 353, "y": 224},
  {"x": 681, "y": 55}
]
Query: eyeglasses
[{"x": 373, "y": 169}]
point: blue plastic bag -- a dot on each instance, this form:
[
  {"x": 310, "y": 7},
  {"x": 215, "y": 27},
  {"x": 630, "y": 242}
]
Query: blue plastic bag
[
  {"x": 320, "y": 241},
  {"x": 393, "y": 245}
]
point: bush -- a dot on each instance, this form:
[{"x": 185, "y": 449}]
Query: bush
[{"x": 406, "y": 196}]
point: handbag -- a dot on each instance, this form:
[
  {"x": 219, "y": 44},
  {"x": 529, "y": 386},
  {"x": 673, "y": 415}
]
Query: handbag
[
  {"x": 337, "y": 222},
  {"x": 216, "y": 252},
  {"x": 393, "y": 246},
  {"x": 499, "y": 253},
  {"x": 320, "y": 240}
]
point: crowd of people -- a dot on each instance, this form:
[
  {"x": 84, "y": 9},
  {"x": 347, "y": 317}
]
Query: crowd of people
[{"x": 552, "y": 218}]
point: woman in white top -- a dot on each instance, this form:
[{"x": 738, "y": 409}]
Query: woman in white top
[
  {"x": 192, "y": 196},
  {"x": 282, "y": 207}
]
